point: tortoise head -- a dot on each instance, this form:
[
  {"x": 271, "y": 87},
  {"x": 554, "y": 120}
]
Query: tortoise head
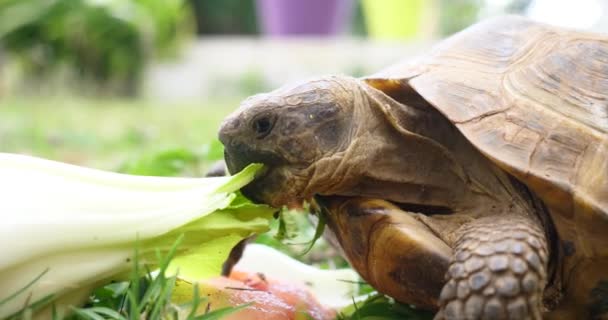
[
  {"x": 339, "y": 136},
  {"x": 291, "y": 130}
]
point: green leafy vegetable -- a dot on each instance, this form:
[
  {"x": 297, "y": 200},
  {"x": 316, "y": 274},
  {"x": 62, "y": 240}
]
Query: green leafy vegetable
[{"x": 82, "y": 224}]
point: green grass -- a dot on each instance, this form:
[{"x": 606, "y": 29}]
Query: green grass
[
  {"x": 143, "y": 296},
  {"x": 148, "y": 297},
  {"x": 105, "y": 134}
]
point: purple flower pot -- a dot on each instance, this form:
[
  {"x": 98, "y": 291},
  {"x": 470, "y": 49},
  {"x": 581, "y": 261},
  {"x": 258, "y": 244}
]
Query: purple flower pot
[{"x": 303, "y": 17}]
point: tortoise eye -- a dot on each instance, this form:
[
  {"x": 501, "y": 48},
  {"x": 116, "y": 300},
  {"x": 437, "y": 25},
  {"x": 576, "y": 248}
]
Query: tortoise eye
[{"x": 263, "y": 124}]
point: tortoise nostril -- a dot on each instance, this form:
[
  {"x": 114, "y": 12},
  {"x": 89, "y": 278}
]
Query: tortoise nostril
[
  {"x": 262, "y": 125},
  {"x": 228, "y": 130}
]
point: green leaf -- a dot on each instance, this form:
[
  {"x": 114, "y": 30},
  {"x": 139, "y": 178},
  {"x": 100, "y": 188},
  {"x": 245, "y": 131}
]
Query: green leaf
[
  {"x": 288, "y": 225},
  {"x": 220, "y": 313},
  {"x": 88, "y": 314},
  {"x": 96, "y": 313},
  {"x": 380, "y": 307},
  {"x": 206, "y": 260},
  {"x": 318, "y": 234},
  {"x": 242, "y": 178},
  {"x": 223, "y": 230},
  {"x": 111, "y": 295}
]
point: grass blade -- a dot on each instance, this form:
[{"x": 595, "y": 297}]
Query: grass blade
[
  {"x": 219, "y": 313},
  {"x": 27, "y": 286},
  {"x": 88, "y": 314}
]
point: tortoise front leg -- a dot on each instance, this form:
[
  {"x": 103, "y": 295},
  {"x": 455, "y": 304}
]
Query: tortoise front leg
[
  {"x": 498, "y": 271},
  {"x": 393, "y": 251}
]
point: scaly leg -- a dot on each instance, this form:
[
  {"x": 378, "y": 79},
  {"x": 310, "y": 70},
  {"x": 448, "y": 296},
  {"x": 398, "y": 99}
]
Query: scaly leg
[{"x": 498, "y": 271}]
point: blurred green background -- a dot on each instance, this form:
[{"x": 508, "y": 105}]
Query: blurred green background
[{"x": 98, "y": 82}]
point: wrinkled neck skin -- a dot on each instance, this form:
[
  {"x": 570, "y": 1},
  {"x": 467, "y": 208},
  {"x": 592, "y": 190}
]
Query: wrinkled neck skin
[{"x": 411, "y": 155}]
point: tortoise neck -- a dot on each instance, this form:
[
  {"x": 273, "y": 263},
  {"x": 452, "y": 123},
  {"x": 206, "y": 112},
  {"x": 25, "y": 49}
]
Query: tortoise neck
[
  {"x": 402, "y": 161},
  {"x": 422, "y": 150}
]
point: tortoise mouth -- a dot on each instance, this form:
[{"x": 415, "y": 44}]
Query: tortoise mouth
[
  {"x": 275, "y": 185},
  {"x": 239, "y": 156},
  {"x": 427, "y": 210}
]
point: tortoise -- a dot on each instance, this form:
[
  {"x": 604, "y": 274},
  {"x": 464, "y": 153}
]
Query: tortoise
[{"x": 472, "y": 181}]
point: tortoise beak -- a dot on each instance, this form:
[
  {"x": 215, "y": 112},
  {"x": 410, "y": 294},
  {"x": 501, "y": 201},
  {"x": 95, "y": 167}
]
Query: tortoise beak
[
  {"x": 235, "y": 153},
  {"x": 236, "y": 159},
  {"x": 240, "y": 150}
]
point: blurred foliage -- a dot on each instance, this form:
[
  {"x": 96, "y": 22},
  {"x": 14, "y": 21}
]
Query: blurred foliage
[
  {"x": 357, "y": 26},
  {"x": 104, "y": 43},
  {"x": 455, "y": 15},
  {"x": 518, "y": 6},
  {"x": 167, "y": 163},
  {"x": 224, "y": 16},
  {"x": 112, "y": 134},
  {"x": 176, "y": 161},
  {"x": 252, "y": 82}
]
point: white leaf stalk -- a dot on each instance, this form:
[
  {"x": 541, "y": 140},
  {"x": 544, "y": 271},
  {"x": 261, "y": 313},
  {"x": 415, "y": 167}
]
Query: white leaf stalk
[{"x": 81, "y": 225}]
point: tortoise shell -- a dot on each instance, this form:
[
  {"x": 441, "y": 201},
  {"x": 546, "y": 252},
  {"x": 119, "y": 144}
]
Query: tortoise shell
[{"x": 533, "y": 99}]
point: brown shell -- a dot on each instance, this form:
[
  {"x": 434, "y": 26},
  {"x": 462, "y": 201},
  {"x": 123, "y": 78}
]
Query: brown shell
[{"x": 534, "y": 99}]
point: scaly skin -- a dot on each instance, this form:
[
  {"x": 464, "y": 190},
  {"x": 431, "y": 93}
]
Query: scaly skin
[{"x": 498, "y": 271}]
